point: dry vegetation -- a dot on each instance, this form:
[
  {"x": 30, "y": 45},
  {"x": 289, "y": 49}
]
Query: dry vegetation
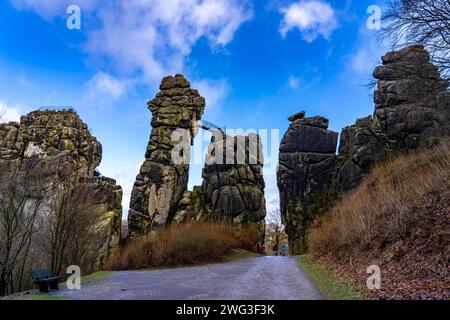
[
  {"x": 399, "y": 219},
  {"x": 183, "y": 244},
  {"x": 44, "y": 225}
]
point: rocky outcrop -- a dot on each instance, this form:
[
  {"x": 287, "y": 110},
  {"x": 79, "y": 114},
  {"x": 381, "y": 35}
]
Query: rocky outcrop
[
  {"x": 191, "y": 207},
  {"x": 59, "y": 142},
  {"x": 108, "y": 204},
  {"x": 361, "y": 145},
  {"x": 162, "y": 180},
  {"x": 305, "y": 171},
  {"x": 233, "y": 184},
  {"x": 411, "y": 100},
  {"x": 412, "y": 110},
  {"x": 233, "y": 187}
]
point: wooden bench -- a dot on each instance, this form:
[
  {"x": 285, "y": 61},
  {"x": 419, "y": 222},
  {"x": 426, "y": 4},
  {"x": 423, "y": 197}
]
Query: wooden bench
[{"x": 45, "y": 279}]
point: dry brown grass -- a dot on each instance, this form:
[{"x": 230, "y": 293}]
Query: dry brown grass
[
  {"x": 386, "y": 206},
  {"x": 183, "y": 244}
]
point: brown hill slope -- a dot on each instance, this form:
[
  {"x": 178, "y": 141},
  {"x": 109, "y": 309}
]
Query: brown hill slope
[{"x": 397, "y": 219}]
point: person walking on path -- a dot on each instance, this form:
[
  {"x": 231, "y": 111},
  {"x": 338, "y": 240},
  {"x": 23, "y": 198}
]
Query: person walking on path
[
  {"x": 283, "y": 249},
  {"x": 275, "y": 249},
  {"x": 259, "y": 247}
]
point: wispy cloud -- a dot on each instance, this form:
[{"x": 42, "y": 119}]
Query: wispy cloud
[
  {"x": 294, "y": 82},
  {"x": 366, "y": 55},
  {"x": 142, "y": 41},
  {"x": 149, "y": 38},
  {"x": 9, "y": 113},
  {"x": 106, "y": 84},
  {"x": 304, "y": 82},
  {"x": 102, "y": 90},
  {"x": 214, "y": 92},
  {"x": 312, "y": 18}
]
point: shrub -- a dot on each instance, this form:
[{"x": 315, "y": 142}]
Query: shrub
[
  {"x": 182, "y": 244},
  {"x": 385, "y": 207}
]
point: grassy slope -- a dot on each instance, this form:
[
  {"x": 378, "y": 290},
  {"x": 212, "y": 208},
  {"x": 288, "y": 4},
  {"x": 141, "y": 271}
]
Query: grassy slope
[
  {"x": 398, "y": 219},
  {"x": 331, "y": 286}
]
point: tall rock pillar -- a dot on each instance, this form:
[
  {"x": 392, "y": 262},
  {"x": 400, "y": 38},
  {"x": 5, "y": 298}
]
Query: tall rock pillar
[
  {"x": 233, "y": 183},
  {"x": 305, "y": 174},
  {"x": 162, "y": 179}
]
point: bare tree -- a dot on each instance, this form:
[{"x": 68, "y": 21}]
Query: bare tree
[
  {"x": 275, "y": 229},
  {"x": 72, "y": 230},
  {"x": 425, "y": 22},
  {"x": 21, "y": 198}
]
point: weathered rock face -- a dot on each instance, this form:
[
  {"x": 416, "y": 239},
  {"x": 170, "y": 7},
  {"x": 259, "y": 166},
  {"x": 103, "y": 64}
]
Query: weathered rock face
[
  {"x": 305, "y": 172},
  {"x": 410, "y": 99},
  {"x": 233, "y": 184},
  {"x": 191, "y": 207},
  {"x": 48, "y": 133},
  {"x": 109, "y": 205},
  {"x": 61, "y": 144},
  {"x": 233, "y": 187},
  {"x": 162, "y": 181},
  {"x": 412, "y": 110},
  {"x": 361, "y": 145}
]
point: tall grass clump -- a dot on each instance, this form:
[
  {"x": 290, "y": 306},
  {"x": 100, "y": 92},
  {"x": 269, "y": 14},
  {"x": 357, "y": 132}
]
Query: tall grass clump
[
  {"x": 386, "y": 206},
  {"x": 183, "y": 244}
]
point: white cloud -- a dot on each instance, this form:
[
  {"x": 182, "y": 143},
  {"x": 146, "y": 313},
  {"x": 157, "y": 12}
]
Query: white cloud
[
  {"x": 9, "y": 113},
  {"x": 149, "y": 38},
  {"x": 360, "y": 61},
  {"x": 294, "y": 82},
  {"x": 214, "y": 91},
  {"x": 104, "y": 84},
  {"x": 102, "y": 90},
  {"x": 312, "y": 18},
  {"x": 154, "y": 37},
  {"x": 366, "y": 54}
]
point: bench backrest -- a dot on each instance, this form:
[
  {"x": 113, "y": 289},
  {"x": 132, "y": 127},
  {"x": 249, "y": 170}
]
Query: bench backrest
[{"x": 42, "y": 274}]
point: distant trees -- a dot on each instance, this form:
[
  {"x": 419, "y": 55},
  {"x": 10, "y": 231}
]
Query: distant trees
[
  {"x": 275, "y": 229},
  {"x": 425, "y": 22}
]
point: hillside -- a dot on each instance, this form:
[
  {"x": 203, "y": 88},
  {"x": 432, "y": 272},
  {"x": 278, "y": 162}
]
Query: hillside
[{"x": 398, "y": 219}]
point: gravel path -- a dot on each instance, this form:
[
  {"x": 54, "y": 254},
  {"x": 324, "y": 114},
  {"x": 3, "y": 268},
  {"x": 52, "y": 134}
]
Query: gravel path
[{"x": 260, "y": 278}]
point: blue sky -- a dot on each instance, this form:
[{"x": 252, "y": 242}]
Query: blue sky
[{"x": 256, "y": 62}]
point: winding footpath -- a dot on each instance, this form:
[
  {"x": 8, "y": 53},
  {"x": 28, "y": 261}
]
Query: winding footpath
[{"x": 260, "y": 278}]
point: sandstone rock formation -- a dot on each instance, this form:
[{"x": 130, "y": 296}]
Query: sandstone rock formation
[
  {"x": 305, "y": 171},
  {"x": 411, "y": 100},
  {"x": 361, "y": 145},
  {"x": 412, "y": 110},
  {"x": 162, "y": 181},
  {"x": 61, "y": 144},
  {"x": 233, "y": 184}
]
